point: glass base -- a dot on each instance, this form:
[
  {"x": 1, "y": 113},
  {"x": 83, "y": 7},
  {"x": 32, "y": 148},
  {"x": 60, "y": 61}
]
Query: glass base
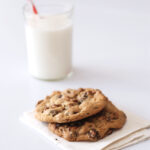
[{"x": 58, "y": 79}]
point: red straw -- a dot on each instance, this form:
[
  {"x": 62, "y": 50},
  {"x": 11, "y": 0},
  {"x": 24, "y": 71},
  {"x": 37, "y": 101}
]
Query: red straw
[{"x": 33, "y": 7}]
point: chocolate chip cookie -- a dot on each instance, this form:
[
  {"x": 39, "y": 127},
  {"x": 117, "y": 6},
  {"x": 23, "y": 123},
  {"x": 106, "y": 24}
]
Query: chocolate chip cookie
[
  {"x": 92, "y": 128},
  {"x": 70, "y": 105}
]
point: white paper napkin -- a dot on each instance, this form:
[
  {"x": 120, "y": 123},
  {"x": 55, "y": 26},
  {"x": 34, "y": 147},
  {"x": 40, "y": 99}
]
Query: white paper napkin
[{"x": 135, "y": 130}]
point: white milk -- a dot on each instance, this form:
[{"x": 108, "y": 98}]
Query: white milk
[{"x": 49, "y": 44}]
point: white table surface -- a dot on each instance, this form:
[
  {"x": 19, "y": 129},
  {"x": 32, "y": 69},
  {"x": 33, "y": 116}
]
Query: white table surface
[{"x": 111, "y": 52}]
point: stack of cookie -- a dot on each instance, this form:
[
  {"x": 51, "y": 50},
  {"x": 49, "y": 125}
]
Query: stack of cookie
[{"x": 80, "y": 115}]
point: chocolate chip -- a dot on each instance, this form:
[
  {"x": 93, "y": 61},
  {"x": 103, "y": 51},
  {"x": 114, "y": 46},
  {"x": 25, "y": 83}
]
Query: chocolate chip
[
  {"x": 63, "y": 108},
  {"x": 110, "y": 116},
  {"x": 46, "y": 108},
  {"x": 79, "y": 102},
  {"x": 72, "y": 104},
  {"x": 90, "y": 92},
  {"x": 61, "y": 129},
  {"x": 93, "y": 134},
  {"x": 54, "y": 112},
  {"x": 39, "y": 102},
  {"x": 109, "y": 131},
  {"x": 115, "y": 117},
  {"x": 59, "y": 96},
  {"x": 73, "y": 134},
  {"x": 76, "y": 101},
  {"x": 68, "y": 91},
  {"x": 75, "y": 112},
  {"x": 55, "y": 105},
  {"x": 85, "y": 95},
  {"x": 81, "y": 89}
]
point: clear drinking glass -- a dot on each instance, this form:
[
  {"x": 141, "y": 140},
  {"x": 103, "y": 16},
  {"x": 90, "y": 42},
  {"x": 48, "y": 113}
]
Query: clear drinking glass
[{"x": 49, "y": 39}]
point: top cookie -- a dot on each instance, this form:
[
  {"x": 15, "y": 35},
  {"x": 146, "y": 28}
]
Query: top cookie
[{"x": 70, "y": 105}]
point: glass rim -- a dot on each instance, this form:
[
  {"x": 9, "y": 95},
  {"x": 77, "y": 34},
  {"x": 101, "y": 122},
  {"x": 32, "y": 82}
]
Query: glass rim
[{"x": 69, "y": 10}]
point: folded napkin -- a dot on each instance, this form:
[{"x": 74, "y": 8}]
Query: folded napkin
[{"x": 135, "y": 130}]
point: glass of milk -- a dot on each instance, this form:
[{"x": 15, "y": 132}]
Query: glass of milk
[{"x": 49, "y": 39}]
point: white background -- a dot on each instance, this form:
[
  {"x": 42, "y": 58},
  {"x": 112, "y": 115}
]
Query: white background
[{"x": 111, "y": 52}]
